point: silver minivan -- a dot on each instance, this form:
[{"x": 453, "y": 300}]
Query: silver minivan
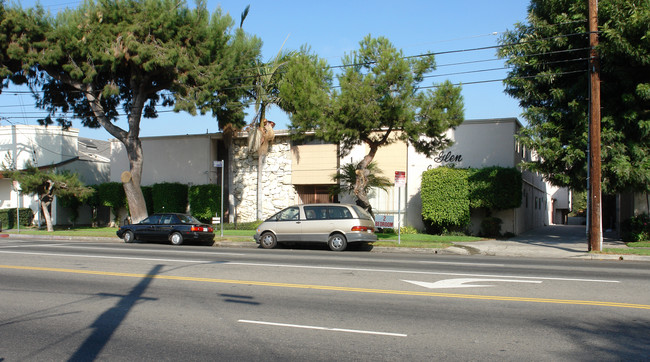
[{"x": 334, "y": 224}]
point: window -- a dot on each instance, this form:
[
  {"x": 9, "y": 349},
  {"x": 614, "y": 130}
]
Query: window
[
  {"x": 316, "y": 212},
  {"x": 291, "y": 213},
  {"x": 338, "y": 212},
  {"x": 153, "y": 219}
]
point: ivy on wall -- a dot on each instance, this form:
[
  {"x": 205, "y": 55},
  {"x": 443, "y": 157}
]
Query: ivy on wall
[
  {"x": 448, "y": 194},
  {"x": 495, "y": 188},
  {"x": 445, "y": 199}
]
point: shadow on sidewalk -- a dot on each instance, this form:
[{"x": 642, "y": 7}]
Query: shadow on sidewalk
[{"x": 565, "y": 237}]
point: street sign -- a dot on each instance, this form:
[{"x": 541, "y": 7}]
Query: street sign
[
  {"x": 400, "y": 178},
  {"x": 217, "y": 163},
  {"x": 384, "y": 221}
]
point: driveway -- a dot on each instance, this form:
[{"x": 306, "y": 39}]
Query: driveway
[{"x": 555, "y": 241}]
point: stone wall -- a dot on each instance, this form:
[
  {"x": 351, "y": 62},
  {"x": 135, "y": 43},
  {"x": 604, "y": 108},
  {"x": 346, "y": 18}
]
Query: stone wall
[{"x": 277, "y": 190}]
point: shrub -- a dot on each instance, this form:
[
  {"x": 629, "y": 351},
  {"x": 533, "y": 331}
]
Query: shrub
[
  {"x": 408, "y": 230},
  {"x": 445, "y": 199},
  {"x": 205, "y": 201},
  {"x": 636, "y": 228},
  {"x": 169, "y": 197},
  {"x": 8, "y": 217},
  {"x": 243, "y": 225},
  {"x": 147, "y": 192},
  {"x": 112, "y": 194}
]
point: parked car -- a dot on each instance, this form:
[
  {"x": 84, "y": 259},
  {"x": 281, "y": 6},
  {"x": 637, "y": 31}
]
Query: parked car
[
  {"x": 335, "y": 224},
  {"x": 172, "y": 227}
]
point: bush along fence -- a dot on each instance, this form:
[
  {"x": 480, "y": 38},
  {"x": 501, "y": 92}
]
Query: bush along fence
[
  {"x": 449, "y": 194},
  {"x": 202, "y": 201},
  {"x": 8, "y": 217}
]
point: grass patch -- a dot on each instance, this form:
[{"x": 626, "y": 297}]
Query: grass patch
[
  {"x": 65, "y": 231},
  {"x": 427, "y": 238},
  {"x": 421, "y": 240},
  {"x": 639, "y": 244},
  {"x": 625, "y": 251}
]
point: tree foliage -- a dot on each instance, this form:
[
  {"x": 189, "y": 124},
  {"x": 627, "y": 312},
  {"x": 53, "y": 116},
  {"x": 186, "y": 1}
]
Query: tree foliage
[
  {"x": 48, "y": 184},
  {"x": 346, "y": 179},
  {"x": 549, "y": 59},
  {"x": 380, "y": 100},
  {"x": 113, "y": 58}
]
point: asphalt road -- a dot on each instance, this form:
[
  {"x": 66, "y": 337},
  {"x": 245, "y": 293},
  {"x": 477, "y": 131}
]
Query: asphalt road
[{"x": 84, "y": 301}]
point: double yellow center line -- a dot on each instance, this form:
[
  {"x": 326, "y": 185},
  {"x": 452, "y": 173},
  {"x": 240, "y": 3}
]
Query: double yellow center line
[{"x": 335, "y": 288}]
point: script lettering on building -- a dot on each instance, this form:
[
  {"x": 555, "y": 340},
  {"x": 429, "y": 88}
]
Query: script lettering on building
[{"x": 448, "y": 158}]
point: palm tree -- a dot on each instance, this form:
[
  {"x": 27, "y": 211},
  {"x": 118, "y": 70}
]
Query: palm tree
[
  {"x": 346, "y": 180},
  {"x": 265, "y": 92}
]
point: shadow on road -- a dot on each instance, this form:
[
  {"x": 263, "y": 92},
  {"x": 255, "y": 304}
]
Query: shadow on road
[{"x": 106, "y": 324}]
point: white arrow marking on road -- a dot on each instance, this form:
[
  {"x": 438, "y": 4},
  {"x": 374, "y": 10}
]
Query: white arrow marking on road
[{"x": 460, "y": 282}]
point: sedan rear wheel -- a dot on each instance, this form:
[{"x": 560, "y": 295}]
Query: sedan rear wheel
[
  {"x": 176, "y": 238},
  {"x": 268, "y": 241},
  {"x": 337, "y": 242},
  {"x": 128, "y": 236}
]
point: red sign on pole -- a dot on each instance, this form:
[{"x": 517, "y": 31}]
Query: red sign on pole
[{"x": 400, "y": 178}]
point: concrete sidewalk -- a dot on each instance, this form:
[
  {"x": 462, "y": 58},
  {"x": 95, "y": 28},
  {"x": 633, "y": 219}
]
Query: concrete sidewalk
[{"x": 554, "y": 241}]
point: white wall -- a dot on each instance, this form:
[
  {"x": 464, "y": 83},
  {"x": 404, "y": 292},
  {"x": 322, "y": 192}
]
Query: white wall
[
  {"x": 184, "y": 159},
  {"x": 39, "y": 145}
]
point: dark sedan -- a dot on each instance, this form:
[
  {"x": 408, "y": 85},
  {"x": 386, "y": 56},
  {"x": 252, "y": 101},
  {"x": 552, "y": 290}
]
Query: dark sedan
[{"x": 172, "y": 227}]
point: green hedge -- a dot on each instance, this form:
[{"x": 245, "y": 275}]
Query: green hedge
[
  {"x": 205, "y": 201},
  {"x": 448, "y": 194},
  {"x": 111, "y": 194},
  {"x": 169, "y": 197},
  {"x": 147, "y": 192},
  {"x": 8, "y": 217},
  {"x": 495, "y": 188},
  {"x": 445, "y": 199}
]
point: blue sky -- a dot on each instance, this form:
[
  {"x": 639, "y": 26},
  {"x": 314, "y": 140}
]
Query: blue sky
[{"x": 334, "y": 28}]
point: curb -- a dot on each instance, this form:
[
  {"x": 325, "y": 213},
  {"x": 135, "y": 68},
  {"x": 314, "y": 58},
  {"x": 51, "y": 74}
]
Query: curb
[{"x": 456, "y": 249}]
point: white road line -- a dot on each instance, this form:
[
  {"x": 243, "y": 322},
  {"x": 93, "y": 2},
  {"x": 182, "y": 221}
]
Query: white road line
[
  {"x": 106, "y": 257},
  {"x": 457, "y": 263},
  {"x": 393, "y": 271},
  {"x": 323, "y": 328},
  {"x": 419, "y": 272},
  {"x": 27, "y": 246},
  {"x": 146, "y": 250}
]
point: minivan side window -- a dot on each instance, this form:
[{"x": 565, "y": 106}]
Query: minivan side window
[
  {"x": 338, "y": 212},
  {"x": 290, "y": 213},
  {"x": 315, "y": 212}
]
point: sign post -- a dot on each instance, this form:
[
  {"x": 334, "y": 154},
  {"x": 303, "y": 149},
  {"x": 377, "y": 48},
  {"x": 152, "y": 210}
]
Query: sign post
[
  {"x": 400, "y": 180},
  {"x": 219, "y": 164},
  {"x": 18, "y": 189}
]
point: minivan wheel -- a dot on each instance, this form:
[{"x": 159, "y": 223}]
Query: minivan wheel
[
  {"x": 176, "y": 238},
  {"x": 268, "y": 241},
  {"x": 337, "y": 242}
]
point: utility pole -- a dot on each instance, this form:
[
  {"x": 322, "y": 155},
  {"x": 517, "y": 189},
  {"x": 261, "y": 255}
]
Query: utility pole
[{"x": 595, "y": 220}]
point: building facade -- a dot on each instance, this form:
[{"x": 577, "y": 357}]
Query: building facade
[
  {"x": 302, "y": 173},
  {"x": 54, "y": 148}
]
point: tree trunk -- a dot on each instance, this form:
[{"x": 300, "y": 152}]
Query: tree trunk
[
  {"x": 45, "y": 206},
  {"x": 361, "y": 183},
  {"x": 131, "y": 181}
]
